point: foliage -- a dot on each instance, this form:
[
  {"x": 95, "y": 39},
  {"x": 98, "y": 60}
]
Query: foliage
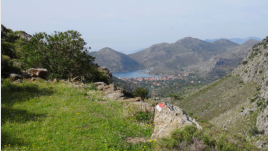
[
  {"x": 143, "y": 116},
  {"x": 254, "y": 131},
  {"x": 141, "y": 92},
  {"x": 244, "y": 62},
  {"x": 190, "y": 138},
  {"x": 63, "y": 54},
  {"x": 175, "y": 96}
]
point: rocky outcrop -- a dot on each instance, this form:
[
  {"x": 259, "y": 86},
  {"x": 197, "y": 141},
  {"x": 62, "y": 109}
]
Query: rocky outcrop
[
  {"x": 262, "y": 122},
  {"x": 100, "y": 85},
  {"x": 38, "y": 72},
  {"x": 25, "y": 35},
  {"x": 14, "y": 76},
  {"x": 168, "y": 118},
  {"x": 107, "y": 73}
]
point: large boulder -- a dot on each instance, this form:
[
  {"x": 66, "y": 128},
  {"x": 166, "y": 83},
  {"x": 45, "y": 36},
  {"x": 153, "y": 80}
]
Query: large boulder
[
  {"x": 108, "y": 89},
  {"x": 168, "y": 118},
  {"x": 112, "y": 92},
  {"x": 38, "y": 72},
  {"x": 99, "y": 85},
  {"x": 107, "y": 73}
]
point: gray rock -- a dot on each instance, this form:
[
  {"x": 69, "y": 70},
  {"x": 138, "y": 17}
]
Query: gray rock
[
  {"x": 168, "y": 118},
  {"x": 38, "y": 72},
  {"x": 100, "y": 85},
  {"x": 14, "y": 76}
]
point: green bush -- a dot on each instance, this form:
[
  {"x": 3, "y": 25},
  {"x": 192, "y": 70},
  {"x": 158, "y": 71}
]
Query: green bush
[
  {"x": 254, "y": 131},
  {"x": 141, "y": 92},
  {"x": 264, "y": 45},
  {"x": 244, "y": 62},
  {"x": 246, "y": 71},
  {"x": 63, "y": 54},
  {"x": 143, "y": 116},
  {"x": 182, "y": 139}
]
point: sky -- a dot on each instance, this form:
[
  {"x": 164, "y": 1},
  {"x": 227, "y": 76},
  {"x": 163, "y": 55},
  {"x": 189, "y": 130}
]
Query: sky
[{"x": 129, "y": 25}]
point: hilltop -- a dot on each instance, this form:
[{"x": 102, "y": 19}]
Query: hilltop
[{"x": 115, "y": 61}]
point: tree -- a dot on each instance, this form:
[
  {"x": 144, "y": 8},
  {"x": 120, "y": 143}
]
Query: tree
[
  {"x": 175, "y": 96},
  {"x": 141, "y": 92},
  {"x": 63, "y": 54}
]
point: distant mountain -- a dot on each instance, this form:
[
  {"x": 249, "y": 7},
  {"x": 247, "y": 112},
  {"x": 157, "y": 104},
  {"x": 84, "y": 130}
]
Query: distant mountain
[
  {"x": 236, "y": 40},
  {"x": 173, "y": 58},
  {"x": 209, "y": 59},
  {"x": 115, "y": 61},
  {"x": 221, "y": 64},
  {"x": 135, "y": 51}
]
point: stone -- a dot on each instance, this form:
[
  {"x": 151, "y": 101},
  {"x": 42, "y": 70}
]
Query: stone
[
  {"x": 115, "y": 95},
  {"x": 18, "y": 81},
  {"x": 107, "y": 73},
  {"x": 108, "y": 89},
  {"x": 169, "y": 118},
  {"x": 100, "y": 85},
  {"x": 38, "y": 72},
  {"x": 14, "y": 76}
]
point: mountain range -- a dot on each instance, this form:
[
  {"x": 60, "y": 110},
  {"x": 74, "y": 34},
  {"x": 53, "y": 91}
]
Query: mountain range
[
  {"x": 236, "y": 40},
  {"x": 213, "y": 59}
]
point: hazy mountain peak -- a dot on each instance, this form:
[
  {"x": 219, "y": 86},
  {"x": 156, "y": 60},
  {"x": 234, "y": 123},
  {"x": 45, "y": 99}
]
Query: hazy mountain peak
[
  {"x": 187, "y": 39},
  {"x": 224, "y": 41},
  {"x": 250, "y": 41}
]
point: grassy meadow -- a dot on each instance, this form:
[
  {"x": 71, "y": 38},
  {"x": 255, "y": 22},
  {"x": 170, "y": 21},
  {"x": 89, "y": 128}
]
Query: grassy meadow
[{"x": 43, "y": 115}]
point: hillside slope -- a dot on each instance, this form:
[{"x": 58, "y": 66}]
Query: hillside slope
[
  {"x": 115, "y": 61},
  {"x": 222, "y": 64},
  {"x": 237, "y": 102}
]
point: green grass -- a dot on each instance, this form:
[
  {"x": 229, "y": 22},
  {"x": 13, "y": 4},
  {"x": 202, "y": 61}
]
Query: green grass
[{"x": 59, "y": 116}]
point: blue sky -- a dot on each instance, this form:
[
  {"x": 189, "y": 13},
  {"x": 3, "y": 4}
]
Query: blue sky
[{"x": 128, "y": 25}]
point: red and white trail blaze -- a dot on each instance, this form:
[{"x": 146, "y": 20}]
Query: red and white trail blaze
[{"x": 160, "y": 106}]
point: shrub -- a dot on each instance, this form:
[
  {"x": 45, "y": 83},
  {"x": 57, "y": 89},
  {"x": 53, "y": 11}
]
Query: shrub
[
  {"x": 246, "y": 71},
  {"x": 244, "y": 62},
  {"x": 63, "y": 54},
  {"x": 143, "y": 116},
  {"x": 141, "y": 92},
  {"x": 254, "y": 131},
  {"x": 175, "y": 96}
]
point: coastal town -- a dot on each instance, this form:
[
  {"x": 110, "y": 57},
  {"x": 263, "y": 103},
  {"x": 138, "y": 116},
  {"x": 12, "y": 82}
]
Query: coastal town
[{"x": 158, "y": 81}]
